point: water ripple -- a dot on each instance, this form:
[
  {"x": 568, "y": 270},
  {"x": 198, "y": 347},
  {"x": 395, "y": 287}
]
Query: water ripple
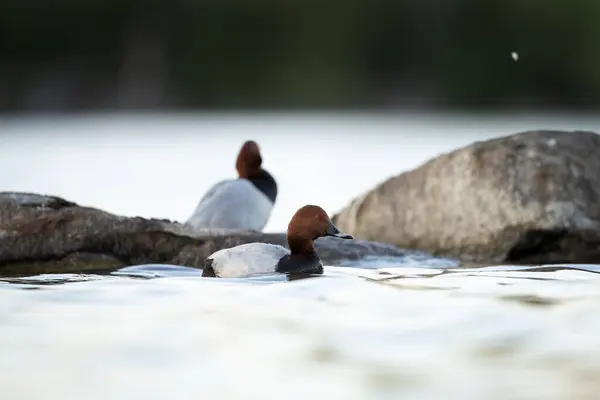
[{"x": 163, "y": 331}]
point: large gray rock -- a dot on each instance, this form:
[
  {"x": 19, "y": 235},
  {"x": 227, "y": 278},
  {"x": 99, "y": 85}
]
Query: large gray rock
[
  {"x": 46, "y": 234},
  {"x": 533, "y": 197}
]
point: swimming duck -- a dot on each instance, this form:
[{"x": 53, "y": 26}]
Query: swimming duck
[
  {"x": 308, "y": 223},
  {"x": 242, "y": 203}
]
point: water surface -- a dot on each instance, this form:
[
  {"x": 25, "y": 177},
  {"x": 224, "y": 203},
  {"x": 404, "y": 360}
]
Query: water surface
[
  {"x": 428, "y": 333},
  {"x": 387, "y": 328}
]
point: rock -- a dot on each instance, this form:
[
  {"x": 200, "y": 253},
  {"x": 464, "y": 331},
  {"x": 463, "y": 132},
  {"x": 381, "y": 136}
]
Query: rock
[
  {"x": 533, "y": 197},
  {"x": 47, "y": 234}
]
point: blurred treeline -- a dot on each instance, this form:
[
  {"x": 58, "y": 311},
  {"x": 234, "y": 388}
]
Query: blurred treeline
[{"x": 79, "y": 54}]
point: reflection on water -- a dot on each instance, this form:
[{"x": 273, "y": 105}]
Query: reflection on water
[
  {"x": 556, "y": 272},
  {"x": 163, "y": 331}
]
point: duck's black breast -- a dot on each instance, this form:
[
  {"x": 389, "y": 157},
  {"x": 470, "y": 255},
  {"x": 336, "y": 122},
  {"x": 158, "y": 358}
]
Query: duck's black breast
[
  {"x": 208, "y": 271},
  {"x": 266, "y": 184},
  {"x": 303, "y": 263}
]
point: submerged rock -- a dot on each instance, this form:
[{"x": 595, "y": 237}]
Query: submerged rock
[
  {"x": 47, "y": 234},
  {"x": 533, "y": 197}
]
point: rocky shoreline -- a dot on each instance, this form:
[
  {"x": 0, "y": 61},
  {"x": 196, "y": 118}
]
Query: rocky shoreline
[
  {"x": 528, "y": 198},
  {"x": 48, "y": 234}
]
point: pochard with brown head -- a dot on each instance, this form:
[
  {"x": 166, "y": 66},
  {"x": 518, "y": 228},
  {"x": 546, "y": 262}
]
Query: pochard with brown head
[
  {"x": 308, "y": 224},
  {"x": 243, "y": 203}
]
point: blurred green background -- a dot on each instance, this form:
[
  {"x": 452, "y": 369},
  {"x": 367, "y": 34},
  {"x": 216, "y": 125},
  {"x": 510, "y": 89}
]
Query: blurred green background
[{"x": 267, "y": 54}]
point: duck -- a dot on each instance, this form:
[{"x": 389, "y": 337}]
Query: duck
[
  {"x": 244, "y": 203},
  {"x": 309, "y": 223}
]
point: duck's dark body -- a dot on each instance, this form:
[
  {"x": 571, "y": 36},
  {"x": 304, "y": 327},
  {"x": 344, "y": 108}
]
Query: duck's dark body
[
  {"x": 266, "y": 184},
  {"x": 306, "y": 263}
]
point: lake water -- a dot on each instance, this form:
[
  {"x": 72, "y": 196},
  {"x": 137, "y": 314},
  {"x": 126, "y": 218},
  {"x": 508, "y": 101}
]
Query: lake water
[{"x": 380, "y": 329}]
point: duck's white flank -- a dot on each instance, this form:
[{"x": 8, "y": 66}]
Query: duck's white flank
[
  {"x": 232, "y": 204},
  {"x": 247, "y": 259}
]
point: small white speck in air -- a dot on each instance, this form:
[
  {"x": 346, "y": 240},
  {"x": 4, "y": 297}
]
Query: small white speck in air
[{"x": 515, "y": 56}]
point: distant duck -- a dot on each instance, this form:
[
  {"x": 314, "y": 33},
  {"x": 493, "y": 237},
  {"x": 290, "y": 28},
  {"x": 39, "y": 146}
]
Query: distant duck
[
  {"x": 242, "y": 203},
  {"x": 308, "y": 223}
]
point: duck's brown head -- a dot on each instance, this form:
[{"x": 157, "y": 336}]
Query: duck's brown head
[
  {"x": 309, "y": 223},
  {"x": 249, "y": 160}
]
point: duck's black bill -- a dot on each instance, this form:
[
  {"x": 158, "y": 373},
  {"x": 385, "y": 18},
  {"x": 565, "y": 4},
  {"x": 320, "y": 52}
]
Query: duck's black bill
[{"x": 335, "y": 232}]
